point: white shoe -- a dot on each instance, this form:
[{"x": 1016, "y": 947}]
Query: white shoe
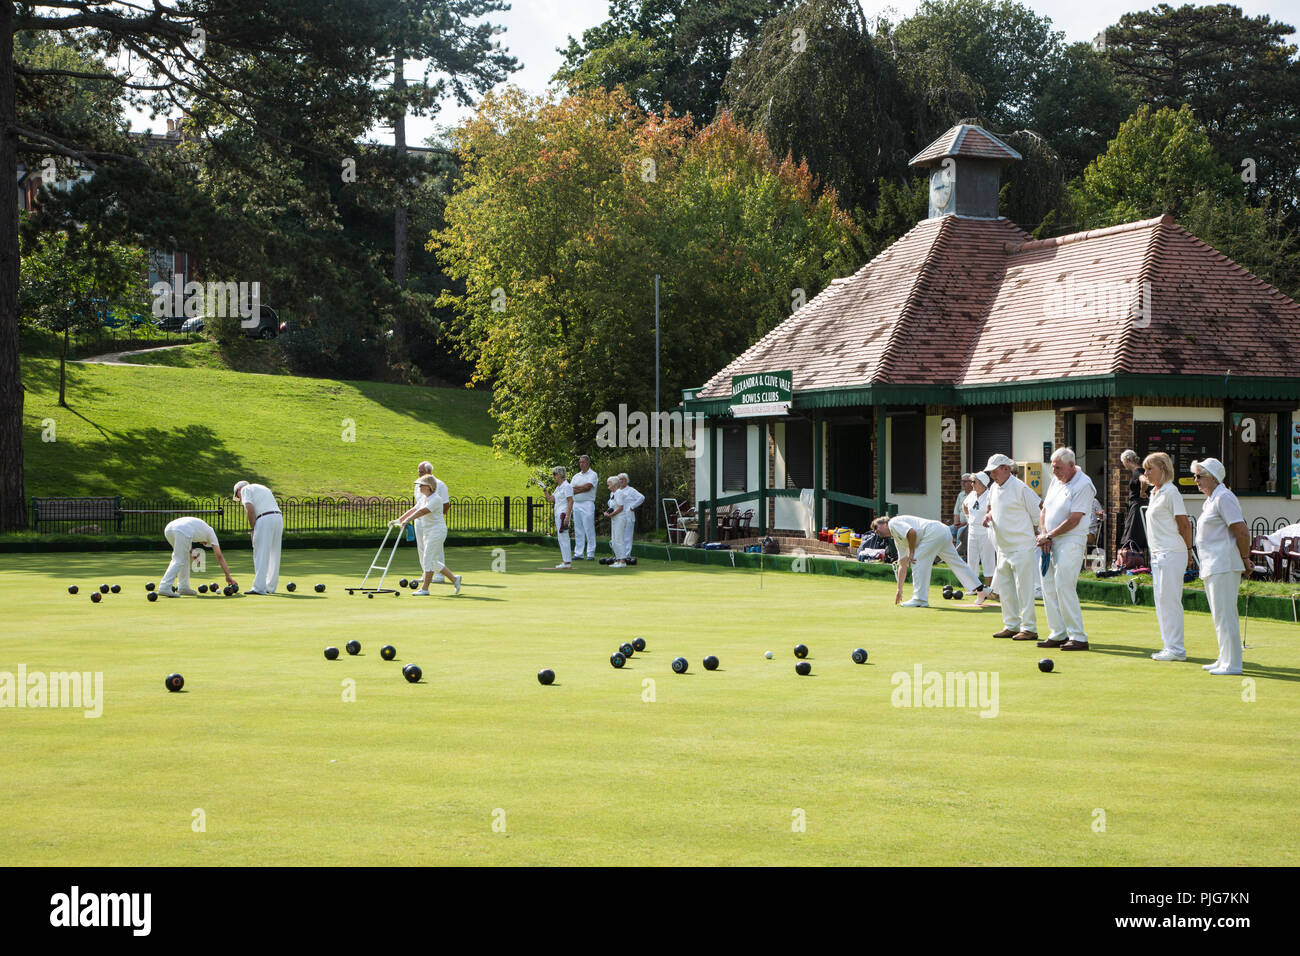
[
  {"x": 563, "y": 567},
  {"x": 438, "y": 578},
  {"x": 915, "y": 603},
  {"x": 981, "y": 598},
  {"x": 1168, "y": 656},
  {"x": 189, "y": 592},
  {"x": 619, "y": 564},
  {"x": 423, "y": 592},
  {"x": 169, "y": 593},
  {"x": 1211, "y": 667},
  {"x": 456, "y": 581},
  {"x": 1226, "y": 672}
]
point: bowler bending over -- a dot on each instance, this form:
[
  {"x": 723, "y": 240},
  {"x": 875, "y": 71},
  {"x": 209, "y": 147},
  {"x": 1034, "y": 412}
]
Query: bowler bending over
[
  {"x": 920, "y": 541},
  {"x": 182, "y": 534}
]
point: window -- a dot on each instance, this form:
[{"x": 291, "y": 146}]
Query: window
[
  {"x": 798, "y": 454},
  {"x": 1257, "y": 464},
  {"x": 734, "y": 461},
  {"x": 990, "y": 434},
  {"x": 907, "y": 453}
]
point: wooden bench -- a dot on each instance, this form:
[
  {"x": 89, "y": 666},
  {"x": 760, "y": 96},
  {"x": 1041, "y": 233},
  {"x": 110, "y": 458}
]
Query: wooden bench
[{"x": 71, "y": 510}]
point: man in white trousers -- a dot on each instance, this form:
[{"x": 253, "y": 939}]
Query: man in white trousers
[
  {"x": 1223, "y": 551},
  {"x": 920, "y": 541},
  {"x": 563, "y": 501},
  {"x": 616, "y": 512},
  {"x": 182, "y": 534},
  {"x": 1064, "y": 537},
  {"x": 266, "y": 525},
  {"x": 1013, "y": 516},
  {"x": 584, "y": 511},
  {"x": 424, "y": 523},
  {"x": 631, "y": 499},
  {"x": 981, "y": 554}
]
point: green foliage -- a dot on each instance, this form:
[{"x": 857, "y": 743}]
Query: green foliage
[
  {"x": 67, "y": 284},
  {"x": 1079, "y": 106},
  {"x": 568, "y": 209}
]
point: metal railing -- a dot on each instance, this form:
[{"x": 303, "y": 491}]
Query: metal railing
[{"x": 147, "y": 516}]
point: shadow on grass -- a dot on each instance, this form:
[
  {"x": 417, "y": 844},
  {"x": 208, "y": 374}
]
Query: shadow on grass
[{"x": 1248, "y": 669}]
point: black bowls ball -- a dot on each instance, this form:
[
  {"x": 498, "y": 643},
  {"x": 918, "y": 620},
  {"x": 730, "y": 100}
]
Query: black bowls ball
[
  {"x": 617, "y": 659},
  {"x": 860, "y": 656},
  {"x": 103, "y": 589},
  {"x": 331, "y": 653},
  {"x": 96, "y": 596},
  {"x": 320, "y": 589},
  {"x": 214, "y": 587},
  {"x": 803, "y": 668},
  {"x": 116, "y": 589},
  {"x": 412, "y": 673},
  {"x": 150, "y": 586},
  {"x": 958, "y": 594},
  {"x": 546, "y": 676},
  {"x": 152, "y": 595},
  {"x": 1046, "y": 665},
  {"x": 353, "y": 647},
  {"x": 72, "y": 589},
  {"x": 710, "y": 663},
  {"x": 404, "y": 583},
  {"x": 679, "y": 665},
  {"x": 291, "y": 587},
  {"x": 227, "y": 590},
  {"x": 388, "y": 652},
  {"x": 947, "y": 592},
  {"x": 638, "y": 644},
  {"x": 203, "y": 589},
  {"x": 175, "y": 682},
  {"x": 801, "y": 651},
  {"x": 627, "y": 650}
]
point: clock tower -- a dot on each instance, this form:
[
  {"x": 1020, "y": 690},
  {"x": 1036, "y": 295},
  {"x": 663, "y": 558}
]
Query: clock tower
[{"x": 965, "y": 166}]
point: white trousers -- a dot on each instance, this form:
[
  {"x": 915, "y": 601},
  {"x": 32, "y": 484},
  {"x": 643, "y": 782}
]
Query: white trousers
[
  {"x": 982, "y": 554},
  {"x": 1167, "y": 569},
  {"x": 1014, "y": 580},
  {"x": 566, "y": 547},
  {"x": 937, "y": 543},
  {"x": 267, "y": 533},
  {"x": 584, "y": 528},
  {"x": 420, "y": 531},
  {"x": 431, "y": 553},
  {"x": 629, "y": 527},
  {"x": 1061, "y": 589},
  {"x": 179, "y": 568},
  {"x": 1221, "y": 590},
  {"x": 618, "y": 535}
]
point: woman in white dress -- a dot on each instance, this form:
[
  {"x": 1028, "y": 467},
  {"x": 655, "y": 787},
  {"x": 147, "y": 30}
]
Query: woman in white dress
[
  {"x": 428, "y": 505},
  {"x": 1169, "y": 539}
]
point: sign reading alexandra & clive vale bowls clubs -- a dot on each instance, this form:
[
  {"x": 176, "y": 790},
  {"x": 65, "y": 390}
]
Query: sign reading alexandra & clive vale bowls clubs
[{"x": 761, "y": 393}]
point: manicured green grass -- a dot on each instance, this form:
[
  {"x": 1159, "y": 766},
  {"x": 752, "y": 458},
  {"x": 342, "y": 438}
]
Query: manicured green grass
[
  {"x": 714, "y": 771},
  {"x": 160, "y": 432},
  {"x": 243, "y": 355}
]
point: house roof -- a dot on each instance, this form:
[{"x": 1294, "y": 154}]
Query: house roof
[
  {"x": 972, "y": 142},
  {"x": 969, "y": 303}
]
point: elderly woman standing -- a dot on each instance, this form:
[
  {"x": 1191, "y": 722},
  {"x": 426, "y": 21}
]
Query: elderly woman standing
[
  {"x": 1223, "y": 549},
  {"x": 1169, "y": 534},
  {"x": 1133, "y": 535},
  {"x": 981, "y": 555}
]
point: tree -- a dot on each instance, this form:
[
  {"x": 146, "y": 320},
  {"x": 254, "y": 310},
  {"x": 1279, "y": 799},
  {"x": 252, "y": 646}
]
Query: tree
[
  {"x": 666, "y": 52},
  {"x": 1239, "y": 75},
  {"x": 566, "y": 211},
  {"x": 1079, "y": 107}
]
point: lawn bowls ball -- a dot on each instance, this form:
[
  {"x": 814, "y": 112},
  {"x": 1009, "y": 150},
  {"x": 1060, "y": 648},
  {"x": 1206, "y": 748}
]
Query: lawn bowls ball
[
  {"x": 203, "y": 589},
  {"x": 150, "y": 586},
  {"x": 617, "y": 659},
  {"x": 320, "y": 589},
  {"x": 638, "y": 644},
  {"x": 116, "y": 589},
  {"x": 803, "y": 668},
  {"x": 96, "y": 596},
  {"x": 412, "y": 673},
  {"x": 72, "y": 589},
  {"x": 546, "y": 676},
  {"x": 1046, "y": 665},
  {"x": 958, "y": 594},
  {"x": 860, "y": 656},
  {"x": 103, "y": 589},
  {"x": 331, "y": 653},
  {"x": 291, "y": 587},
  {"x": 353, "y": 647},
  {"x": 710, "y": 663},
  {"x": 404, "y": 583},
  {"x": 679, "y": 665},
  {"x": 388, "y": 652},
  {"x": 175, "y": 682},
  {"x": 627, "y": 650},
  {"x": 152, "y": 595},
  {"x": 801, "y": 651}
]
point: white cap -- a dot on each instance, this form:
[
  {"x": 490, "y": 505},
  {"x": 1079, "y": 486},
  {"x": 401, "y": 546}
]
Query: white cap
[
  {"x": 983, "y": 478},
  {"x": 997, "y": 461},
  {"x": 239, "y": 485},
  {"x": 1213, "y": 466}
]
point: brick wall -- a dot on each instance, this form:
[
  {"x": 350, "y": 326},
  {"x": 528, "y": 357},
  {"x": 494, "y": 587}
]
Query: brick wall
[
  {"x": 950, "y": 468},
  {"x": 1119, "y": 422}
]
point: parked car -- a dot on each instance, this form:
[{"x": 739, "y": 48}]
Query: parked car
[
  {"x": 193, "y": 325},
  {"x": 268, "y": 324},
  {"x": 170, "y": 323}
]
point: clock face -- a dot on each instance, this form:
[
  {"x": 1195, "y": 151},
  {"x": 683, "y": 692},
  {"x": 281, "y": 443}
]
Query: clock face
[{"x": 940, "y": 190}]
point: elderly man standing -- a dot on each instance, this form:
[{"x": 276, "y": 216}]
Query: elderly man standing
[
  {"x": 1013, "y": 514},
  {"x": 920, "y": 541},
  {"x": 1223, "y": 550},
  {"x": 631, "y": 499},
  {"x": 424, "y": 524},
  {"x": 1064, "y": 538},
  {"x": 266, "y": 525},
  {"x": 563, "y": 501},
  {"x": 584, "y": 511}
]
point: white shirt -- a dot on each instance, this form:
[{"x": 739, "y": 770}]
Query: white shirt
[
  {"x": 1216, "y": 548},
  {"x": 632, "y": 498},
  {"x": 196, "y": 529},
  {"x": 1163, "y": 508},
  {"x": 1014, "y": 507},
  {"x": 587, "y": 477},
  {"x": 260, "y": 497},
  {"x": 900, "y": 525},
  {"x": 563, "y": 492},
  {"x": 434, "y": 519},
  {"x": 1065, "y": 498},
  {"x": 615, "y": 501},
  {"x": 976, "y": 507},
  {"x": 440, "y": 490}
]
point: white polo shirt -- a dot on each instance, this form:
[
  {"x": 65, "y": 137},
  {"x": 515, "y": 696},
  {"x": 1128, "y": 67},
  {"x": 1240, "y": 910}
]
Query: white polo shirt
[
  {"x": 615, "y": 501},
  {"x": 1014, "y": 507},
  {"x": 563, "y": 492},
  {"x": 260, "y": 497},
  {"x": 900, "y": 525},
  {"x": 632, "y": 498},
  {"x": 1065, "y": 498},
  {"x": 434, "y": 519},
  {"x": 587, "y": 477},
  {"x": 1163, "y": 508},
  {"x": 196, "y": 529},
  {"x": 976, "y": 507},
  {"x": 1216, "y": 548}
]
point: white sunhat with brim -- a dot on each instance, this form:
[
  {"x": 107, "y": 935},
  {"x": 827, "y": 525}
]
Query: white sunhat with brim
[
  {"x": 1213, "y": 466},
  {"x": 983, "y": 478},
  {"x": 997, "y": 461},
  {"x": 426, "y": 481}
]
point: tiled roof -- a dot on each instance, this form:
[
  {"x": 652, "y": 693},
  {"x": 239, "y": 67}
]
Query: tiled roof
[
  {"x": 972, "y": 142},
  {"x": 977, "y": 302}
]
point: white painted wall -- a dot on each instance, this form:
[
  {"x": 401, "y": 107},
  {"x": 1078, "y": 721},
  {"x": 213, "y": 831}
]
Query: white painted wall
[
  {"x": 1176, "y": 413},
  {"x": 1028, "y": 432}
]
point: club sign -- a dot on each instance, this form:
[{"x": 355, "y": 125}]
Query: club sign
[{"x": 761, "y": 393}]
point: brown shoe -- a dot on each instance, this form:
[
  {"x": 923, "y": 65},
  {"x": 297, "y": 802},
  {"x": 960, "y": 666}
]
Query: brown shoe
[
  {"x": 1026, "y": 636},
  {"x": 1005, "y": 633},
  {"x": 1074, "y": 646},
  {"x": 1052, "y": 642}
]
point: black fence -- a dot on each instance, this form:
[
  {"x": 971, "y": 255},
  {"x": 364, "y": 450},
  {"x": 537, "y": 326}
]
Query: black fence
[{"x": 146, "y": 516}]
